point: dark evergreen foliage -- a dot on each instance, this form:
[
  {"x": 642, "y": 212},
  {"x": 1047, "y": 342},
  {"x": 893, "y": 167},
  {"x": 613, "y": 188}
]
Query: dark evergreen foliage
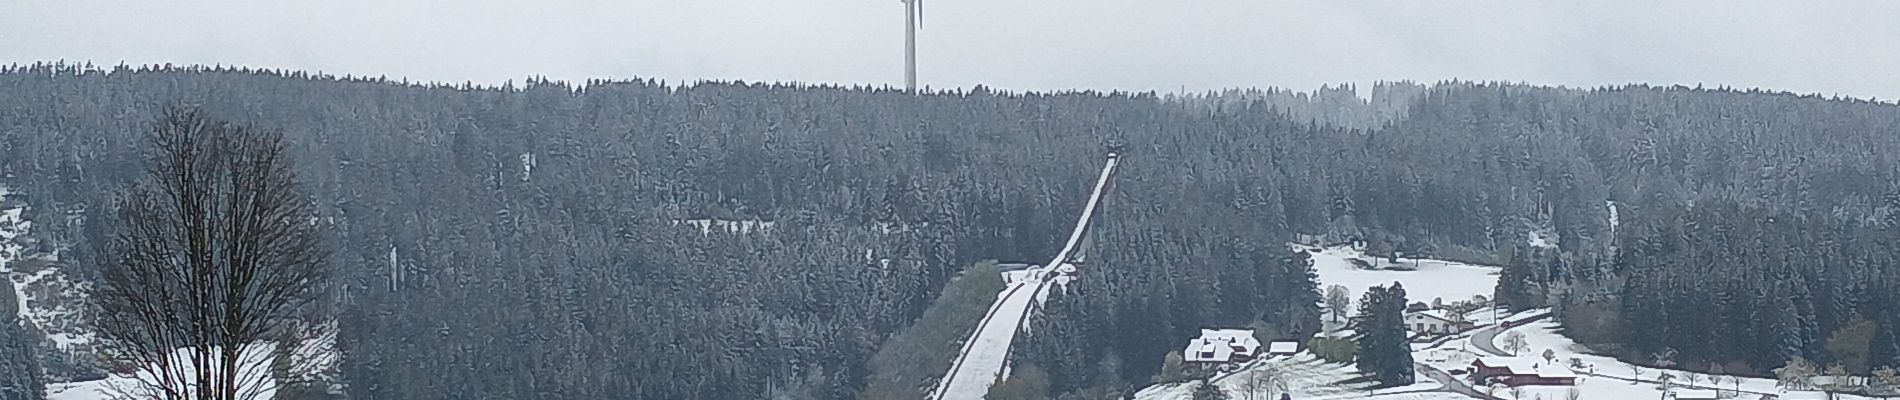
[
  {"x": 1385, "y": 349},
  {"x": 1208, "y": 391},
  {"x": 19, "y": 365},
  {"x": 541, "y": 241},
  {"x": 1722, "y": 283}
]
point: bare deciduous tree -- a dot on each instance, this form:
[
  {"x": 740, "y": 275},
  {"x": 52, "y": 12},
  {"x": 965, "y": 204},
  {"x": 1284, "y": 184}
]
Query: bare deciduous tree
[
  {"x": 1338, "y": 301},
  {"x": 1515, "y": 342},
  {"x": 1263, "y": 382},
  {"x": 217, "y": 255},
  {"x": 1664, "y": 359},
  {"x": 1796, "y": 375},
  {"x": 1887, "y": 379},
  {"x": 1838, "y": 378}
]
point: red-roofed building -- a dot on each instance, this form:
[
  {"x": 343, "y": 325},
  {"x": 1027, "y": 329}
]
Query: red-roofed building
[{"x": 1518, "y": 372}]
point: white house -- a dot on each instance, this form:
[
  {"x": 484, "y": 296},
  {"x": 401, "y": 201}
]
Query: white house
[
  {"x": 1221, "y": 346},
  {"x": 1434, "y": 322}
]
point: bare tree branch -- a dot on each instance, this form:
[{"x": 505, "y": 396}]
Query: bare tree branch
[{"x": 214, "y": 258}]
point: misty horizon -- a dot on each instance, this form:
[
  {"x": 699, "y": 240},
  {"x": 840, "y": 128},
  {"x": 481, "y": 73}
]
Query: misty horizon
[{"x": 1044, "y": 47}]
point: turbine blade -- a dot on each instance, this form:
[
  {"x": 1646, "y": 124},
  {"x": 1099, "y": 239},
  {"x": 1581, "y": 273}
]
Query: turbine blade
[{"x": 920, "y": 14}]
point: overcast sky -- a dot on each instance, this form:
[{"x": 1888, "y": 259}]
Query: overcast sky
[{"x": 1850, "y": 48}]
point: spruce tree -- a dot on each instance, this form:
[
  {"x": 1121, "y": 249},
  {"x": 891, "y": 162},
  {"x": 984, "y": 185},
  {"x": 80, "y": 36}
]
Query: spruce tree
[
  {"x": 1398, "y": 366},
  {"x": 1384, "y": 351},
  {"x": 1207, "y": 391},
  {"x": 19, "y": 369}
]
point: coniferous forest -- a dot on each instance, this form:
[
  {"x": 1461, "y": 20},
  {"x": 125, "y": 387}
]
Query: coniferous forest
[{"x": 641, "y": 240}]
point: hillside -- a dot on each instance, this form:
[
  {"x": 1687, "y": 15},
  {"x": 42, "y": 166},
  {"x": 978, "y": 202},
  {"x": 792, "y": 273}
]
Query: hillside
[{"x": 493, "y": 241}]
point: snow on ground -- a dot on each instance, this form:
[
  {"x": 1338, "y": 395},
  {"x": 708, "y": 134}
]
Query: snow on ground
[
  {"x": 1614, "y": 218},
  {"x": 1604, "y": 377},
  {"x": 254, "y": 365},
  {"x": 1433, "y": 279},
  {"x": 1547, "y": 240},
  {"x": 12, "y": 226},
  {"x": 1306, "y": 377},
  {"x": 315, "y": 359},
  {"x": 47, "y": 299},
  {"x": 1311, "y": 378},
  {"x": 707, "y": 226},
  {"x": 43, "y": 296},
  {"x": 88, "y": 390},
  {"x": 1600, "y": 377}
]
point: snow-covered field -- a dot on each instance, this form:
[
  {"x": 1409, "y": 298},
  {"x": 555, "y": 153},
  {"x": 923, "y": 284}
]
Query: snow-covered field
[
  {"x": 1305, "y": 377},
  {"x": 1433, "y": 278},
  {"x": 315, "y": 359},
  {"x": 253, "y": 370}
]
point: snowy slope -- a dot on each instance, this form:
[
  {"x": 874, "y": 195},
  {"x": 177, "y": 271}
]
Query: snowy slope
[
  {"x": 985, "y": 356},
  {"x": 12, "y": 226},
  {"x": 988, "y": 350},
  {"x": 43, "y": 295},
  {"x": 47, "y": 299}
]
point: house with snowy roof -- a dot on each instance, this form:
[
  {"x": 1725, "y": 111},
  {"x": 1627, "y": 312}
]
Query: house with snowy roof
[
  {"x": 1516, "y": 371},
  {"x": 1216, "y": 347},
  {"x": 1435, "y": 323}
]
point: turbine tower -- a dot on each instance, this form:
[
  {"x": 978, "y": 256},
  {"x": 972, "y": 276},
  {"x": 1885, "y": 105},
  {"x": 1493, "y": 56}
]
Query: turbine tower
[{"x": 913, "y": 18}]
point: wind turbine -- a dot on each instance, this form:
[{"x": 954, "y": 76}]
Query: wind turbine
[{"x": 913, "y": 19}]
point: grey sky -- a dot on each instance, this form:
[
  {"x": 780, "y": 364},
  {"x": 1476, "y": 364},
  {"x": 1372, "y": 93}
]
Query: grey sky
[{"x": 1850, "y": 48}]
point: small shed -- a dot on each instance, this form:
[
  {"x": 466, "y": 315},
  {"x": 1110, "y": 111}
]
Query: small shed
[
  {"x": 1283, "y": 348},
  {"x": 1698, "y": 394}
]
